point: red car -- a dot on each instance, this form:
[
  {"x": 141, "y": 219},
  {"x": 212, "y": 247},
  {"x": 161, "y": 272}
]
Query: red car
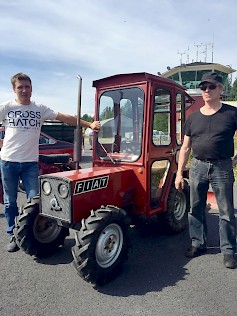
[{"x": 49, "y": 145}]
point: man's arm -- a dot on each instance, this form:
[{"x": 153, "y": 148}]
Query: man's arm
[
  {"x": 183, "y": 159},
  {"x": 72, "y": 120},
  {"x": 234, "y": 159}
]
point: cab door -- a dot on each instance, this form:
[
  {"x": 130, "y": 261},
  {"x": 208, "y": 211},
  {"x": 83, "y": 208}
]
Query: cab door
[{"x": 166, "y": 132}]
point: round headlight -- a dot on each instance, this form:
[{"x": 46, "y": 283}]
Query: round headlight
[
  {"x": 46, "y": 187},
  {"x": 63, "y": 190}
]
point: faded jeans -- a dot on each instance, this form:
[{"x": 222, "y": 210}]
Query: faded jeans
[
  {"x": 28, "y": 172},
  {"x": 220, "y": 175}
]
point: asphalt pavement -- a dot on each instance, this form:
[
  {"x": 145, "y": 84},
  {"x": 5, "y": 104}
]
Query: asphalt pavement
[{"x": 157, "y": 280}]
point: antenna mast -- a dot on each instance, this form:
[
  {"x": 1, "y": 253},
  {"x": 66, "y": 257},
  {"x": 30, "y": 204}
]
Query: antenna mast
[
  {"x": 198, "y": 45},
  {"x": 188, "y": 55},
  {"x": 181, "y": 58}
]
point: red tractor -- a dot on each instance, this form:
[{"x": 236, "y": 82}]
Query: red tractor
[{"x": 132, "y": 177}]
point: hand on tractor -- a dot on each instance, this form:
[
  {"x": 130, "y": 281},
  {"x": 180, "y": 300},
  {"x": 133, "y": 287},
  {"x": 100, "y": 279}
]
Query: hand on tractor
[
  {"x": 179, "y": 183},
  {"x": 95, "y": 126}
]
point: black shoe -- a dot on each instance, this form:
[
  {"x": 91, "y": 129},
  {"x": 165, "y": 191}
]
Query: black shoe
[
  {"x": 193, "y": 252},
  {"x": 230, "y": 262},
  {"x": 12, "y": 246}
]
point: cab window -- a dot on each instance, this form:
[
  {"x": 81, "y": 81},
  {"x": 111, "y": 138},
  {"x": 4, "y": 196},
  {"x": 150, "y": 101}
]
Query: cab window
[{"x": 161, "y": 117}]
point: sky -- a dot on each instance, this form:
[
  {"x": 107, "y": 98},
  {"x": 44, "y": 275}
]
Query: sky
[{"x": 53, "y": 41}]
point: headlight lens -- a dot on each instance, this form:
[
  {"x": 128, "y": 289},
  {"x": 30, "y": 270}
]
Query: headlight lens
[
  {"x": 63, "y": 190},
  {"x": 46, "y": 187}
]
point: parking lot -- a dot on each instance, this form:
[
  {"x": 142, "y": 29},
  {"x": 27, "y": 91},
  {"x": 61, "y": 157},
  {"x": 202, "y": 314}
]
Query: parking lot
[{"x": 157, "y": 279}]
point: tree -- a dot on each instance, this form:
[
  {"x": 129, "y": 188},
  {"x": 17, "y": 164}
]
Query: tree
[
  {"x": 227, "y": 90},
  {"x": 107, "y": 113},
  {"x": 233, "y": 93},
  {"x": 87, "y": 118}
]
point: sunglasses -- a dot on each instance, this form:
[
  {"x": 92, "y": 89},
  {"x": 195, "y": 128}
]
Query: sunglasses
[{"x": 210, "y": 87}]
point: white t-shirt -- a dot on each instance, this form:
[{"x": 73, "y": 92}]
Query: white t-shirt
[{"x": 22, "y": 130}]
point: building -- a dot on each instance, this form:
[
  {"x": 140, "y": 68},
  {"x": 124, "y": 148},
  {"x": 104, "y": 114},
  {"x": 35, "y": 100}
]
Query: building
[{"x": 189, "y": 75}]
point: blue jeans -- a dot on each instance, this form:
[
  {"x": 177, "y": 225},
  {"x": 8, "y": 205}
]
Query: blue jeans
[
  {"x": 28, "y": 172},
  {"x": 220, "y": 175}
]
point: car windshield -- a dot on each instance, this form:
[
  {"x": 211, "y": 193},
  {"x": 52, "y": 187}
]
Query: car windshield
[
  {"x": 121, "y": 117},
  {"x": 44, "y": 139}
]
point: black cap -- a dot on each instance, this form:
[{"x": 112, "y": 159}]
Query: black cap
[{"x": 211, "y": 77}]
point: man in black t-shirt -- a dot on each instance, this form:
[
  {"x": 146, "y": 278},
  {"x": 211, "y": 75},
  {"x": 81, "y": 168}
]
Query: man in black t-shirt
[{"x": 209, "y": 133}]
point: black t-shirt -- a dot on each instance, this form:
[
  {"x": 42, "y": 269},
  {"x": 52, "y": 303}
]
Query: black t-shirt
[{"x": 212, "y": 135}]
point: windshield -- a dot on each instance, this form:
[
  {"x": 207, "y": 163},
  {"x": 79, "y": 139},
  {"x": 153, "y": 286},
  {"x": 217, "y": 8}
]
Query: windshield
[{"x": 121, "y": 118}]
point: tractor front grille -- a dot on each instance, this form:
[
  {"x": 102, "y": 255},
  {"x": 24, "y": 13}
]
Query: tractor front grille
[{"x": 53, "y": 204}]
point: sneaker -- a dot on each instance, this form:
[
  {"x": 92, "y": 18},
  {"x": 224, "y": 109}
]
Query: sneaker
[
  {"x": 230, "y": 262},
  {"x": 12, "y": 246},
  {"x": 193, "y": 252}
]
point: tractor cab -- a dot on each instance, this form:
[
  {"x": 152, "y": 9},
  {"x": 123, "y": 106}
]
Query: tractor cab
[{"x": 142, "y": 118}]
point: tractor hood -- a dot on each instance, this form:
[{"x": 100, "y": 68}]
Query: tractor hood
[
  {"x": 89, "y": 173},
  {"x": 69, "y": 195}
]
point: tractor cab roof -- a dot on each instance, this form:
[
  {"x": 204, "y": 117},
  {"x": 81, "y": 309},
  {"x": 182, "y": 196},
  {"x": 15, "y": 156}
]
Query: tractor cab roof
[{"x": 131, "y": 79}]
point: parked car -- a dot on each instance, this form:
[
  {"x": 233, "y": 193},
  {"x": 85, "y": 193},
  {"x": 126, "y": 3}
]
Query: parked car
[
  {"x": 160, "y": 138},
  {"x": 49, "y": 145}
]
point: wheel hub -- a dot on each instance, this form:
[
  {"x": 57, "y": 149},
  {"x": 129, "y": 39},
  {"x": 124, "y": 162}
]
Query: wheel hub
[
  {"x": 109, "y": 245},
  {"x": 45, "y": 230}
]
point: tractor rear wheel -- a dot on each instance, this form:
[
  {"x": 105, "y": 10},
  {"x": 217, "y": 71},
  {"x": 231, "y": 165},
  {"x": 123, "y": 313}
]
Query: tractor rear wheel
[
  {"x": 36, "y": 234},
  {"x": 101, "y": 245},
  {"x": 178, "y": 206}
]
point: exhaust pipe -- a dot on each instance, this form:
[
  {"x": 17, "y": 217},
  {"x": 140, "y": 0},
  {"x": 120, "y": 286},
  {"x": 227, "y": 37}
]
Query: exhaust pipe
[{"x": 77, "y": 131}]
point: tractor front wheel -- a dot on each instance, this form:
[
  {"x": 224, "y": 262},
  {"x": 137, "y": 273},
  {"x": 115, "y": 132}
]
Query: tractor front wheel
[
  {"x": 101, "y": 245},
  {"x": 36, "y": 234}
]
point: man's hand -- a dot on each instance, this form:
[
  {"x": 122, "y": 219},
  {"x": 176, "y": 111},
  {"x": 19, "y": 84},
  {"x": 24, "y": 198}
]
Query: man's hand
[
  {"x": 95, "y": 126},
  {"x": 179, "y": 183},
  {"x": 234, "y": 161}
]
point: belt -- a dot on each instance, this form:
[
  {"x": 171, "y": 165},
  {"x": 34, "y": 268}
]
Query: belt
[{"x": 212, "y": 160}]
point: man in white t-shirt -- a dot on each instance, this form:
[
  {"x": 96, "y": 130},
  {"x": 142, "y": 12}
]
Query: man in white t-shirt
[{"x": 23, "y": 119}]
